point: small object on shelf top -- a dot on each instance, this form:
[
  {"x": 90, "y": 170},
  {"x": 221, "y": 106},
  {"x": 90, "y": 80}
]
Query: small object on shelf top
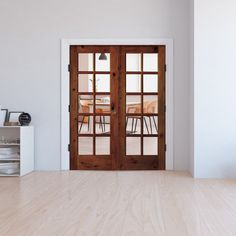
[{"x": 25, "y": 119}]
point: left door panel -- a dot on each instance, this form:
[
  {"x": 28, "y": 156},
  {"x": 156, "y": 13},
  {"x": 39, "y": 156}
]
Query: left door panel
[{"x": 93, "y": 120}]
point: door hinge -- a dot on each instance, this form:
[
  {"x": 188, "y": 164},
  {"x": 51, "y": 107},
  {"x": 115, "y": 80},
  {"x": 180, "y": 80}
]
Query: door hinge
[
  {"x": 68, "y": 147},
  {"x": 165, "y": 68},
  {"x": 68, "y": 108},
  {"x": 69, "y": 67},
  {"x": 165, "y": 147}
]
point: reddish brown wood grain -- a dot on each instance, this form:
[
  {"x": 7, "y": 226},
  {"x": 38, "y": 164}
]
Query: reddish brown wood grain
[{"x": 117, "y": 160}]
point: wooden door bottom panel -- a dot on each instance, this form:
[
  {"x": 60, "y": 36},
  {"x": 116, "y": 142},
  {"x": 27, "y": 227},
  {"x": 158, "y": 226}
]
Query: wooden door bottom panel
[
  {"x": 94, "y": 163},
  {"x": 140, "y": 163},
  {"x": 128, "y": 163}
]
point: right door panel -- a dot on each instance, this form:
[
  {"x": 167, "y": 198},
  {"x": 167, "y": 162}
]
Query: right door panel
[{"x": 142, "y": 108}]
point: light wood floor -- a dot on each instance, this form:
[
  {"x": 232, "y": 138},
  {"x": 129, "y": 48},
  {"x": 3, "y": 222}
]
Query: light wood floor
[{"x": 116, "y": 203}]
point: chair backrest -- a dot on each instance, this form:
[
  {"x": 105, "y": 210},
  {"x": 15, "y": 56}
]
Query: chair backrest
[
  {"x": 134, "y": 109},
  {"x": 99, "y": 110},
  {"x": 84, "y": 106},
  {"x": 152, "y": 107},
  {"x": 145, "y": 106}
]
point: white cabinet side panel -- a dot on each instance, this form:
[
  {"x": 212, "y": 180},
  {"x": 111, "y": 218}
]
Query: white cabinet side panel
[{"x": 27, "y": 150}]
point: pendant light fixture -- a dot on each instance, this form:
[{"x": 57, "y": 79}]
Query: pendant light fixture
[{"x": 102, "y": 57}]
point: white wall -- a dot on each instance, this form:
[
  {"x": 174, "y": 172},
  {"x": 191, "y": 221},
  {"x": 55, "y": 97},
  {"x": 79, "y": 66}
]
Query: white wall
[
  {"x": 30, "y": 57},
  {"x": 191, "y": 88},
  {"x": 215, "y": 88}
]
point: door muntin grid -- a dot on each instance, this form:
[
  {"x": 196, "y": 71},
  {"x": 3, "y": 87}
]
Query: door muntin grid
[
  {"x": 94, "y": 107},
  {"x": 141, "y": 112}
]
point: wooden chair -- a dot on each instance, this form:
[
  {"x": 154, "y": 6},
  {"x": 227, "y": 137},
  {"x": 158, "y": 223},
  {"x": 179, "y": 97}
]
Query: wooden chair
[
  {"x": 102, "y": 119},
  {"x": 135, "y": 109},
  {"x": 151, "y": 108},
  {"x": 84, "y": 107}
]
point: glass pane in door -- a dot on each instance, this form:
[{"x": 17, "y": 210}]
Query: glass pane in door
[
  {"x": 102, "y": 145},
  {"x": 102, "y": 62},
  {"x": 103, "y": 123},
  {"x": 150, "y": 62},
  {"x": 85, "y": 83},
  {"x": 133, "y": 125},
  {"x": 150, "y": 124},
  {"x": 150, "y": 146},
  {"x": 150, "y": 104},
  {"x": 133, "y": 62},
  {"x": 133, "y": 104},
  {"x": 85, "y": 124},
  {"x": 85, "y": 104},
  {"x": 85, "y": 61},
  {"x": 103, "y": 104},
  {"x": 102, "y": 83},
  {"x": 133, "y": 146},
  {"x": 133, "y": 83},
  {"x": 150, "y": 83},
  {"x": 85, "y": 146}
]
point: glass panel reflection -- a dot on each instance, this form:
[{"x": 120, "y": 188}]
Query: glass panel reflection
[
  {"x": 85, "y": 104},
  {"x": 133, "y": 146},
  {"x": 85, "y": 83},
  {"x": 102, "y": 83},
  {"x": 150, "y": 62},
  {"x": 103, "y": 104},
  {"x": 103, "y": 124},
  {"x": 133, "y": 62},
  {"x": 150, "y": 146},
  {"x": 150, "y": 124},
  {"x": 85, "y": 125},
  {"x": 133, "y": 124},
  {"x": 85, "y": 61},
  {"x": 102, "y": 145},
  {"x": 133, "y": 83},
  {"x": 150, "y": 83},
  {"x": 102, "y": 62},
  {"x": 133, "y": 104},
  {"x": 85, "y": 146},
  {"x": 150, "y": 104}
]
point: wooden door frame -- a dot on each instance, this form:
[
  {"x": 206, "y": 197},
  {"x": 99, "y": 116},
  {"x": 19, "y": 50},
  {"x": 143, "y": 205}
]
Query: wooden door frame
[{"x": 65, "y": 98}]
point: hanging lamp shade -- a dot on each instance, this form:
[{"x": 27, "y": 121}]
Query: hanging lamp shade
[{"x": 102, "y": 56}]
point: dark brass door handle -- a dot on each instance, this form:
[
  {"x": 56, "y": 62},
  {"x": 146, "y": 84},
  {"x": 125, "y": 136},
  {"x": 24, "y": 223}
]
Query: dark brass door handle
[{"x": 113, "y": 111}]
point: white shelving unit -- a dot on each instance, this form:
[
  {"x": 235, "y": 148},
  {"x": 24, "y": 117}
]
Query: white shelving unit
[{"x": 25, "y": 144}]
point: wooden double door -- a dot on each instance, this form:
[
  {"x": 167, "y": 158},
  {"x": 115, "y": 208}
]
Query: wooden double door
[{"x": 117, "y": 107}]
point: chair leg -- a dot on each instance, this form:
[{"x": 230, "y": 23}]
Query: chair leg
[
  {"x": 82, "y": 122},
  {"x": 127, "y": 121},
  {"x": 145, "y": 122},
  {"x": 100, "y": 123},
  {"x": 155, "y": 123},
  {"x": 104, "y": 124},
  {"x": 135, "y": 127},
  {"x": 132, "y": 129},
  {"x": 103, "y": 130},
  {"x": 88, "y": 123},
  {"x": 150, "y": 122}
]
